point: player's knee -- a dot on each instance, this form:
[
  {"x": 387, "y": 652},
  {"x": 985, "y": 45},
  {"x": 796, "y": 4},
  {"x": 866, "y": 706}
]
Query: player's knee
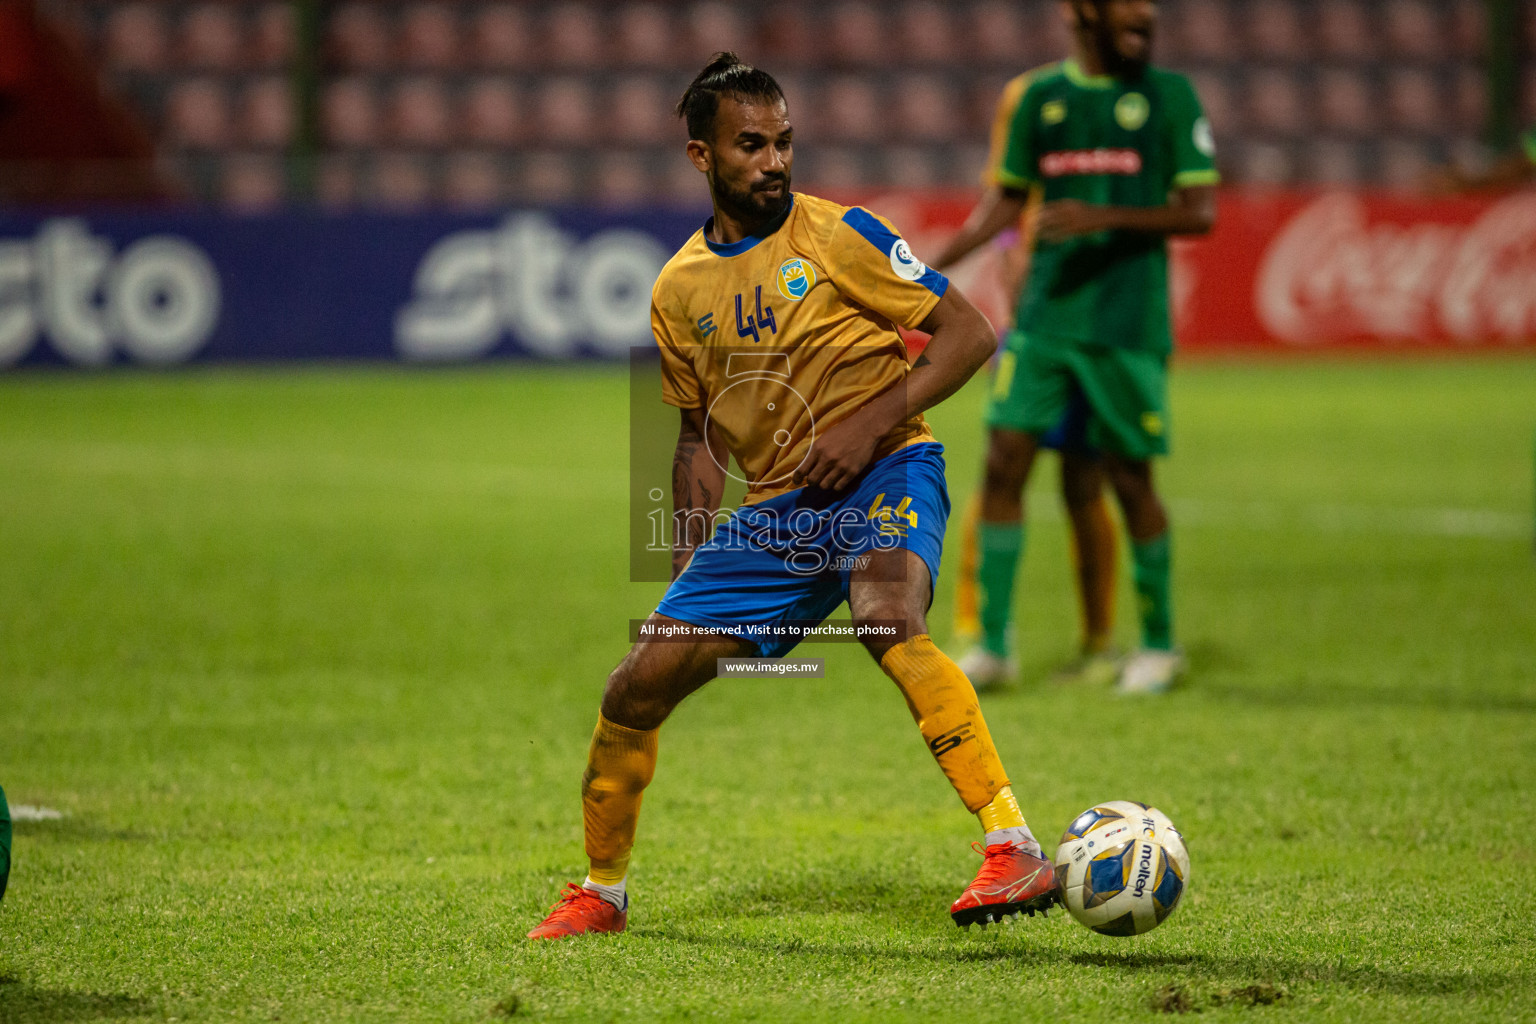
[
  {"x": 627, "y": 701},
  {"x": 1004, "y": 473}
]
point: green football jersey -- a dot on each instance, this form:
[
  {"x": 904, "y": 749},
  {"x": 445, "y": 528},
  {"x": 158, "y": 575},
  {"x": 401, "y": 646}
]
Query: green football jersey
[
  {"x": 1110, "y": 142},
  {"x": 1528, "y": 143}
]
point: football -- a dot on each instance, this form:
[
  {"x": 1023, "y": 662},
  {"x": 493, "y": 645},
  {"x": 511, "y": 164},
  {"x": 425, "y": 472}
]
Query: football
[{"x": 1121, "y": 867}]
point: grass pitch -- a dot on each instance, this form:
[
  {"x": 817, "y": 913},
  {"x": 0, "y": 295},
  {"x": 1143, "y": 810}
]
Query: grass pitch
[{"x": 309, "y": 660}]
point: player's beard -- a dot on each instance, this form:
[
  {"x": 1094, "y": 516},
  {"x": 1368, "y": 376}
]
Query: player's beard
[
  {"x": 751, "y": 205},
  {"x": 1116, "y": 63}
]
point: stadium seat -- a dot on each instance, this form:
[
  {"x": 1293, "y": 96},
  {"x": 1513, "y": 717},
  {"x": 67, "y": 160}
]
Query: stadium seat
[
  {"x": 429, "y": 36},
  {"x": 197, "y": 114},
  {"x": 927, "y": 33},
  {"x": 493, "y": 113},
  {"x": 1405, "y": 163},
  {"x": 136, "y": 38},
  {"x": 212, "y": 37},
  {"x": 968, "y": 167},
  {"x": 349, "y": 113},
  {"x": 851, "y": 111},
  {"x": 1346, "y": 101},
  {"x": 336, "y": 180},
  {"x": 500, "y": 37},
  {"x": 1344, "y": 30},
  {"x": 252, "y": 182},
  {"x": 399, "y": 181},
  {"x": 910, "y": 167},
  {"x": 1469, "y": 97},
  {"x": 1469, "y": 28},
  {"x": 837, "y": 169},
  {"x": 1414, "y": 29},
  {"x": 682, "y": 185},
  {"x": 419, "y": 113},
  {"x": 1275, "y": 31},
  {"x": 927, "y": 109},
  {"x": 1004, "y": 33},
  {"x": 1202, "y": 31},
  {"x": 1215, "y": 91},
  {"x": 1414, "y": 102},
  {"x": 566, "y": 110},
  {"x": 793, "y": 35},
  {"x": 359, "y": 38},
  {"x": 272, "y": 35},
  {"x": 856, "y": 34},
  {"x": 1266, "y": 164},
  {"x": 572, "y": 36},
  {"x": 638, "y": 111},
  {"x": 622, "y": 179},
  {"x": 716, "y": 25},
  {"x": 548, "y": 178},
  {"x": 473, "y": 179},
  {"x": 644, "y": 36},
  {"x": 1333, "y": 162},
  {"x": 266, "y": 115},
  {"x": 1275, "y": 103}
]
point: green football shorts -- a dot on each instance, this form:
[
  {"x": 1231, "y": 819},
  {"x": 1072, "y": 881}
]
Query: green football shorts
[{"x": 1126, "y": 392}]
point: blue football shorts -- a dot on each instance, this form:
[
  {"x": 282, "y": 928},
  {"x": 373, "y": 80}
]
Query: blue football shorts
[{"x": 787, "y": 561}]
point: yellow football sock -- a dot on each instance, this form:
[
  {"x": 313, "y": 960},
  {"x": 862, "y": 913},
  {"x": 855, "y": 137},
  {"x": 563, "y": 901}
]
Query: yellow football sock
[
  {"x": 620, "y": 764},
  {"x": 1003, "y": 812},
  {"x": 944, "y": 705}
]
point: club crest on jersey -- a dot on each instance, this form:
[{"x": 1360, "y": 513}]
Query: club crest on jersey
[
  {"x": 1053, "y": 112},
  {"x": 796, "y": 279},
  {"x": 1132, "y": 111},
  {"x": 904, "y": 264}
]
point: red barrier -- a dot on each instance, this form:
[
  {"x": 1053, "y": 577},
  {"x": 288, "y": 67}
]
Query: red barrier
[{"x": 1315, "y": 271}]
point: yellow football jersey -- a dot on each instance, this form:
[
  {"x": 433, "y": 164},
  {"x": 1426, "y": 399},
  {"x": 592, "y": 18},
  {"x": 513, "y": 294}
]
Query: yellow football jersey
[{"x": 787, "y": 333}]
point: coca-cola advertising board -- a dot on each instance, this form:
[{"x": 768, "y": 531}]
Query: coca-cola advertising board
[{"x": 1307, "y": 272}]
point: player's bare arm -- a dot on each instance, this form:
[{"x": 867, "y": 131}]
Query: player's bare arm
[
  {"x": 698, "y": 479},
  {"x": 1189, "y": 211},
  {"x": 1000, "y": 207},
  {"x": 962, "y": 342}
]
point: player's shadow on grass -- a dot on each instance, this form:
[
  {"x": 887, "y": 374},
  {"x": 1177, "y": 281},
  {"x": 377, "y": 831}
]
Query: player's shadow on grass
[
  {"x": 21, "y": 1003},
  {"x": 1198, "y": 968},
  {"x": 78, "y": 830}
]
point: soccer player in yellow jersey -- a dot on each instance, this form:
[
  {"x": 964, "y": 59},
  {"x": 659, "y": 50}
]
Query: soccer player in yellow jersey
[{"x": 777, "y": 325}]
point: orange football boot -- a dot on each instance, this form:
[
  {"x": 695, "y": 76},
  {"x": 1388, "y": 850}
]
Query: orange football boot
[
  {"x": 579, "y": 911},
  {"x": 1011, "y": 881}
]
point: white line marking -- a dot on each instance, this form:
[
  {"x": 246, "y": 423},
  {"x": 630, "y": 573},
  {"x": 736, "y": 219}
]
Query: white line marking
[{"x": 27, "y": 812}]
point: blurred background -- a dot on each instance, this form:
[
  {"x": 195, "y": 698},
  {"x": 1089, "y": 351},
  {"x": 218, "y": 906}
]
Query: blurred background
[
  {"x": 251, "y": 104},
  {"x": 452, "y": 179}
]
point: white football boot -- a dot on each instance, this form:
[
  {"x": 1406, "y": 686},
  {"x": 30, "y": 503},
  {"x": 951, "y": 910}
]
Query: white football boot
[
  {"x": 987, "y": 671},
  {"x": 1095, "y": 671},
  {"x": 1151, "y": 671}
]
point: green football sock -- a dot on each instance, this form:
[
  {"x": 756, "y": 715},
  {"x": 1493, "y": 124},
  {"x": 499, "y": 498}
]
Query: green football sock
[
  {"x": 1154, "y": 591},
  {"x": 5, "y": 843},
  {"x": 1002, "y": 545}
]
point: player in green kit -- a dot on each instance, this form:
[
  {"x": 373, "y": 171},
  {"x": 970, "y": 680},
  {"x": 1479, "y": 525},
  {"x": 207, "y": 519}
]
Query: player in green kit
[
  {"x": 1119, "y": 156},
  {"x": 5, "y": 844}
]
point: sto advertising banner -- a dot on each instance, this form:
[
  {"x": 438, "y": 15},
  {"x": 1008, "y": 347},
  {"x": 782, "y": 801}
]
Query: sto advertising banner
[
  {"x": 1284, "y": 272},
  {"x": 161, "y": 288}
]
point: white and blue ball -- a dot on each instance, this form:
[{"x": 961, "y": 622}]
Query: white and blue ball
[{"x": 1122, "y": 867}]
